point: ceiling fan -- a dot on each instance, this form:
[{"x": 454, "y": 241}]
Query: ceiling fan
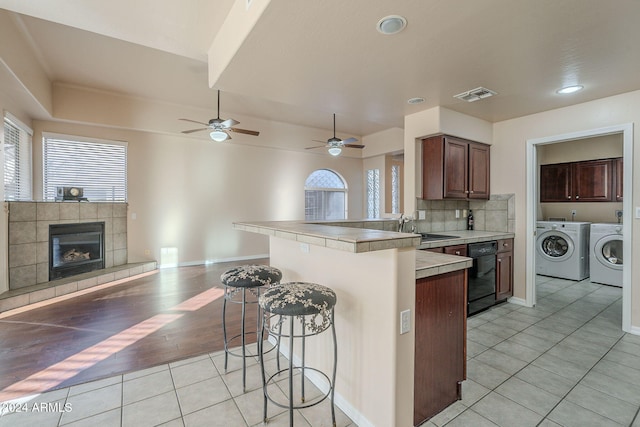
[
  {"x": 334, "y": 144},
  {"x": 219, "y": 128}
]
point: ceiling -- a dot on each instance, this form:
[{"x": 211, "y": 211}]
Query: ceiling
[{"x": 304, "y": 60}]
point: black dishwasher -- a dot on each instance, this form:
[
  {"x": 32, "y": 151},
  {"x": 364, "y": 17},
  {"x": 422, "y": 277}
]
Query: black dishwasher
[{"x": 482, "y": 276}]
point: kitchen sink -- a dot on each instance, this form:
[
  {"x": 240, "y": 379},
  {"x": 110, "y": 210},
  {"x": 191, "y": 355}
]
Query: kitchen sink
[{"x": 429, "y": 237}]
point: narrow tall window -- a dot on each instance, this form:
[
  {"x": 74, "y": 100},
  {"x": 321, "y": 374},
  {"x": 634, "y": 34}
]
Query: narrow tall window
[
  {"x": 98, "y": 166},
  {"x": 395, "y": 189},
  {"x": 373, "y": 193},
  {"x": 17, "y": 160},
  {"x": 325, "y": 196}
]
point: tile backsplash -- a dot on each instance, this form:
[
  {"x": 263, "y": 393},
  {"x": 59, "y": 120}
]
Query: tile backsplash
[{"x": 495, "y": 214}]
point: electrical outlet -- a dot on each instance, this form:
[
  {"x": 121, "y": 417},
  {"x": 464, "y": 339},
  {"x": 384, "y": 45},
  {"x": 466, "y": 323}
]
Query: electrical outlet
[
  {"x": 405, "y": 321},
  {"x": 457, "y": 213},
  {"x": 422, "y": 214}
]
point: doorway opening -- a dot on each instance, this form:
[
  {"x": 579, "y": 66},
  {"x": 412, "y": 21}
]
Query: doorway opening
[{"x": 533, "y": 210}]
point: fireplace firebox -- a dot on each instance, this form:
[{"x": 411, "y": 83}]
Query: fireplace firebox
[{"x": 75, "y": 249}]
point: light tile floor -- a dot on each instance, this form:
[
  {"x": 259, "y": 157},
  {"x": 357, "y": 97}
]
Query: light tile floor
[
  {"x": 192, "y": 392},
  {"x": 565, "y": 362}
]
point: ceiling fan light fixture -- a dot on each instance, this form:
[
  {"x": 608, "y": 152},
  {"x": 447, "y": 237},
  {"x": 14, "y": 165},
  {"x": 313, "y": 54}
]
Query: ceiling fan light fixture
[
  {"x": 391, "y": 24},
  {"x": 219, "y": 136},
  {"x": 569, "y": 89},
  {"x": 335, "y": 151}
]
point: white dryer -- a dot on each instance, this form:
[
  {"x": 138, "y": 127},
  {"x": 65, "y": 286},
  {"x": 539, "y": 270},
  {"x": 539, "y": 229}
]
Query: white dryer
[
  {"x": 562, "y": 249},
  {"x": 605, "y": 257}
]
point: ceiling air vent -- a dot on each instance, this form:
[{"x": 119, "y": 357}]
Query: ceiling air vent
[{"x": 475, "y": 94}]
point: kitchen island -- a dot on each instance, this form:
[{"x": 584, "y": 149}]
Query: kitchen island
[{"x": 373, "y": 273}]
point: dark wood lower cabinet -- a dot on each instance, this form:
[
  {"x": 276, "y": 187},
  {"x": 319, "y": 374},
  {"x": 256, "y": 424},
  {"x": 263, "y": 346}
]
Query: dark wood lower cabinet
[
  {"x": 504, "y": 269},
  {"x": 440, "y": 337}
]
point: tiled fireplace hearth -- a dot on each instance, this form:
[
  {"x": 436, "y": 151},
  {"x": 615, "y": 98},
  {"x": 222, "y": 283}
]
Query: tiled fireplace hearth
[{"x": 29, "y": 225}]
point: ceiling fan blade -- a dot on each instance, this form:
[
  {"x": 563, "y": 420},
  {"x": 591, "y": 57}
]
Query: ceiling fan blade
[
  {"x": 228, "y": 123},
  {"x": 317, "y": 146},
  {"x": 248, "y": 132},
  {"x": 317, "y": 140},
  {"x": 353, "y": 145},
  {"x": 194, "y": 130},
  {"x": 194, "y": 121},
  {"x": 349, "y": 140}
]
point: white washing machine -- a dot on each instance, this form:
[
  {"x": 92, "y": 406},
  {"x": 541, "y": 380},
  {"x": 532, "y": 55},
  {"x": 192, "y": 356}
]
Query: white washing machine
[
  {"x": 605, "y": 255},
  {"x": 562, "y": 249}
]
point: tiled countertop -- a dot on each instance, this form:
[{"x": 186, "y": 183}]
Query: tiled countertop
[
  {"x": 464, "y": 237},
  {"x": 342, "y": 238},
  {"x": 359, "y": 240},
  {"x": 431, "y": 264}
]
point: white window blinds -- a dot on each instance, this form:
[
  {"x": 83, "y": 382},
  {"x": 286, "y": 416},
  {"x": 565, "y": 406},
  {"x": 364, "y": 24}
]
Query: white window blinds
[
  {"x": 99, "y": 167},
  {"x": 17, "y": 160}
]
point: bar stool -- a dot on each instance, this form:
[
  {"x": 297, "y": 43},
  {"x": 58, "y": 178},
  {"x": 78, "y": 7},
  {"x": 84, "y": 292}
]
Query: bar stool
[
  {"x": 238, "y": 280},
  {"x": 313, "y": 306}
]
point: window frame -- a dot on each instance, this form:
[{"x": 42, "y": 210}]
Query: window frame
[
  {"x": 23, "y": 168},
  {"x": 50, "y": 194},
  {"x": 325, "y": 191}
]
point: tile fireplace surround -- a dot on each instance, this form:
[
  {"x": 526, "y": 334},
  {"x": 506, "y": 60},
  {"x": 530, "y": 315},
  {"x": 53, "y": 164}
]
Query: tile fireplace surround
[{"x": 29, "y": 235}]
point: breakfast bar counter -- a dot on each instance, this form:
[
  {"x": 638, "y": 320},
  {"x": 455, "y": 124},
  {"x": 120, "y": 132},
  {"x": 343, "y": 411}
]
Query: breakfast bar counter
[{"x": 373, "y": 273}]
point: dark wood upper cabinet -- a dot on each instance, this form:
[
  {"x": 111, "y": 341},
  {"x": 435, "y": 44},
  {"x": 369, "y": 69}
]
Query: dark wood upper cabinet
[
  {"x": 586, "y": 181},
  {"x": 454, "y": 168},
  {"x": 619, "y": 174},
  {"x": 555, "y": 182},
  {"x": 593, "y": 181}
]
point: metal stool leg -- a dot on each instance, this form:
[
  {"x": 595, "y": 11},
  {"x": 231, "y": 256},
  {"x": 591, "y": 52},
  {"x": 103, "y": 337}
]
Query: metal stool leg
[
  {"x": 291, "y": 334},
  {"x": 242, "y": 338},
  {"x": 224, "y": 329},
  {"x": 335, "y": 365},
  {"x": 303, "y": 361}
]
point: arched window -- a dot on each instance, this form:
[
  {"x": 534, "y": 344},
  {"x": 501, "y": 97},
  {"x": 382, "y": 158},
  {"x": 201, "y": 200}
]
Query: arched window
[{"x": 325, "y": 196}]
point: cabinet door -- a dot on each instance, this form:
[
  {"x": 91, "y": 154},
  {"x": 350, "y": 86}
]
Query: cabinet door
[
  {"x": 504, "y": 275},
  {"x": 593, "y": 181},
  {"x": 456, "y": 168},
  {"x": 440, "y": 342},
  {"x": 478, "y": 171},
  {"x": 460, "y": 250},
  {"x": 555, "y": 183},
  {"x": 619, "y": 179}
]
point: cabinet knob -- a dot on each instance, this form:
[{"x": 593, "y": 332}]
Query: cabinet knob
[
  {"x": 500, "y": 261},
  {"x": 577, "y": 197},
  {"x": 466, "y": 191},
  {"x": 471, "y": 191},
  {"x": 568, "y": 197},
  {"x": 506, "y": 245},
  {"x": 457, "y": 252}
]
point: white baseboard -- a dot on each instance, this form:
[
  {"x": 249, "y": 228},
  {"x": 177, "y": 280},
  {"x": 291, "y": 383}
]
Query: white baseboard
[
  {"x": 635, "y": 330},
  {"x": 319, "y": 381},
  {"x": 518, "y": 301},
  {"x": 215, "y": 261}
]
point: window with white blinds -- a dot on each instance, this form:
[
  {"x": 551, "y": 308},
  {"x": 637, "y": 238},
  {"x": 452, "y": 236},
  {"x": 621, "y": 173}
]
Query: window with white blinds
[
  {"x": 99, "y": 167},
  {"x": 17, "y": 160}
]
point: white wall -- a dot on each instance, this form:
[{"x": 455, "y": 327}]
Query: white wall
[
  {"x": 186, "y": 192},
  {"x": 508, "y": 160}
]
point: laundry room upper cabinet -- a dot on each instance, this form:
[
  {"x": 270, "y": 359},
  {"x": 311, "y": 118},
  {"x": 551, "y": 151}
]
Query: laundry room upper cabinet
[
  {"x": 585, "y": 181},
  {"x": 454, "y": 168}
]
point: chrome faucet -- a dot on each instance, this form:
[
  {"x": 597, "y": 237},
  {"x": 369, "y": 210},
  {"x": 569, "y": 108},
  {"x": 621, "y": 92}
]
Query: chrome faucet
[{"x": 401, "y": 222}]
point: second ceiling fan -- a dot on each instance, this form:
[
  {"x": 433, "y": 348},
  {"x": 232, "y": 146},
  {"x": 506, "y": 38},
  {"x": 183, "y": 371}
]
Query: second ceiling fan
[
  {"x": 220, "y": 128},
  {"x": 335, "y": 144}
]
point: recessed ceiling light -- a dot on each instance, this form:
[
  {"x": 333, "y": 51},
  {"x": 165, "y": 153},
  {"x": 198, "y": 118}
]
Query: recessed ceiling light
[
  {"x": 569, "y": 89},
  {"x": 416, "y": 100},
  {"x": 391, "y": 24}
]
